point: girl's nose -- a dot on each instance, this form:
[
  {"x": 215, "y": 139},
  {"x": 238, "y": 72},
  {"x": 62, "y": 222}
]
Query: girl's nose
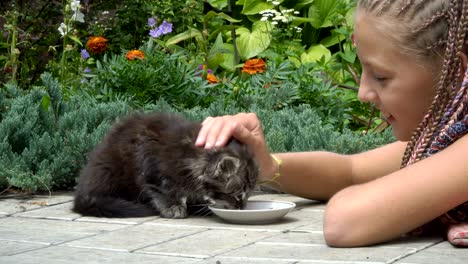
[{"x": 366, "y": 94}]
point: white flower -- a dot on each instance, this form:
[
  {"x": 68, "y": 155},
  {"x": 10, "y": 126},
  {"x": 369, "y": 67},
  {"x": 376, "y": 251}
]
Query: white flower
[
  {"x": 296, "y": 12},
  {"x": 280, "y": 18},
  {"x": 75, "y": 5},
  {"x": 63, "y": 29},
  {"x": 78, "y": 16},
  {"x": 274, "y": 23},
  {"x": 265, "y": 18},
  {"x": 275, "y": 2}
]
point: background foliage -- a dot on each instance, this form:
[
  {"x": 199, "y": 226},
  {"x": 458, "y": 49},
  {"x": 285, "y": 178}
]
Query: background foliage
[
  {"x": 45, "y": 140},
  {"x": 58, "y": 98}
]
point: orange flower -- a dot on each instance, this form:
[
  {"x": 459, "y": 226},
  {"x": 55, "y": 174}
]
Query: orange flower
[
  {"x": 212, "y": 78},
  {"x": 253, "y": 66},
  {"x": 135, "y": 54},
  {"x": 97, "y": 45}
]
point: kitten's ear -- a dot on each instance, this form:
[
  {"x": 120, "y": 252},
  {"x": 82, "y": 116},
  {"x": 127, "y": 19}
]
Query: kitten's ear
[{"x": 227, "y": 166}]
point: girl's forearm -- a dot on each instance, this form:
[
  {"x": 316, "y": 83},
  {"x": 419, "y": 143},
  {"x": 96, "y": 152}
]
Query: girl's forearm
[{"x": 314, "y": 175}]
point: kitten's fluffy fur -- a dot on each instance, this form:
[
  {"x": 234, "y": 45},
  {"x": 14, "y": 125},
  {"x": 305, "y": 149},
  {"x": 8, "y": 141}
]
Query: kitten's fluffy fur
[{"x": 148, "y": 164}]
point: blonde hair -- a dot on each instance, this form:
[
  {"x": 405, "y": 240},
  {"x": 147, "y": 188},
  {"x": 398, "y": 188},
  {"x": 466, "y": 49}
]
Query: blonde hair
[{"x": 431, "y": 31}]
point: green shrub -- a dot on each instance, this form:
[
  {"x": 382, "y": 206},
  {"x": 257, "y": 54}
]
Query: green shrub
[
  {"x": 45, "y": 139},
  {"x": 159, "y": 75}
]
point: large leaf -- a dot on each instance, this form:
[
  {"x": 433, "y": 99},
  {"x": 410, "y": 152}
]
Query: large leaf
[
  {"x": 215, "y": 56},
  {"x": 315, "y": 53},
  {"x": 212, "y": 14},
  {"x": 218, "y": 4},
  {"x": 190, "y": 33},
  {"x": 323, "y": 12},
  {"x": 251, "y": 43},
  {"x": 228, "y": 58},
  {"x": 253, "y": 7},
  {"x": 302, "y": 3}
]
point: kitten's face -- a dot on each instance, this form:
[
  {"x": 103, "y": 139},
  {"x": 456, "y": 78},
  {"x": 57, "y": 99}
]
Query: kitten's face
[{"x": 230, "y": 176}]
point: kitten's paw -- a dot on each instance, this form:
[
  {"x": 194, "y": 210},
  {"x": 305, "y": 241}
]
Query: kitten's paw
[{"x": 175, "y": 211}]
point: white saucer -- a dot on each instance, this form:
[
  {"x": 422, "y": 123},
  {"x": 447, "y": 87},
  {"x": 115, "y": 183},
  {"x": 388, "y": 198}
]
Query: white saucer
[{"x": 256, "y": 212}]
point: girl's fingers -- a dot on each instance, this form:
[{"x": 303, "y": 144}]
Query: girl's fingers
[
  {"x": 214, "y": 129},
  {"x": 226, "y": 131},
  {"x": 241, "y": 133}
]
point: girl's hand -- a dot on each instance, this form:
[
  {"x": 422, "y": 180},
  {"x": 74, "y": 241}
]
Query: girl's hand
[{"x": 245, "y": 127}]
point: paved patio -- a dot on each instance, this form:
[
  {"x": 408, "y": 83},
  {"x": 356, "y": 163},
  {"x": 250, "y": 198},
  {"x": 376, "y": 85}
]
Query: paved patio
[{"x": 42, "y": 229}]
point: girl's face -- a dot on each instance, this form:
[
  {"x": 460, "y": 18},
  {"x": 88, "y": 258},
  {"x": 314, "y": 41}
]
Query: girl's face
[{"x": 395, "y": 83}]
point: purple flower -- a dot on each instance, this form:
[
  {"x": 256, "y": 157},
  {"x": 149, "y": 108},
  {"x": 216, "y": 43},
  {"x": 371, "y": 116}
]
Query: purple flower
[
  {"x": 165, "y": 27},
  {"x": 84, "y": 54},
  {"x": 87, "y": 70},
  {"x": 155, "y": 33},
  {"x": 151, "y": 22}
]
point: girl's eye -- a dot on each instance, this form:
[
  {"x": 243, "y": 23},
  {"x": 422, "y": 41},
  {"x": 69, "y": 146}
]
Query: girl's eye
[{"x": 380, "y": 79}]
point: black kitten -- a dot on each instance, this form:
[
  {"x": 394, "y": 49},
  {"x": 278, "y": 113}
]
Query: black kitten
[{"x": 148, "y": 164}]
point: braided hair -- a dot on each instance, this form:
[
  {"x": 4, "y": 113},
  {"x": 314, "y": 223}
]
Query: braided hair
[{"x": 431, "y": 31}]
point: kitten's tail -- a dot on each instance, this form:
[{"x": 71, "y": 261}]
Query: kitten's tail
[{"x": 106, "y": 206}]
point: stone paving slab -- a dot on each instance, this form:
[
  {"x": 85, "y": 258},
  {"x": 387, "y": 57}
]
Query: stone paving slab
[
  {"x": 49, "y": 231},
  {"x": 58, "y": 211},
  {"x": 70, "y": 255},
  {"x": 21, "y": 203},
  {"x": 136, "y": 237},
  {"x": 209, "y": 243},
  {"x": 42, "y": 229},
  {"x": 16, "y": 247},
  {"x": 440, "y": 253},
  {"x": 305, "y": 252}
]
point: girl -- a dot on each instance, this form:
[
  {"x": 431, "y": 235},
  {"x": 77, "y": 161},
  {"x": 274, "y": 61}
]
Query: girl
[{"x": 413, "y": 55}]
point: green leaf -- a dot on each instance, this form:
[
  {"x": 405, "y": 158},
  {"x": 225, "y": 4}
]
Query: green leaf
[
  {"x": 229, "y": 18},
  {"x": 330, "y": 41},
  {"x": 350, "y": 16},
  {"x": 190, "y": 33},
  {"x": 45, "y": 103},
  {"x": 295, "y": 61},
  {"x": 75, "y": 39},
  {"x": 218, "y": 4},
  {"x": 215, "y": 57},
  {"x": 315, "y": 53},
  {"x": 323, "y": 12},
  {"x": 251, "y": 43},
  {"x": 253, "y": 7},
  {"x": 212, "y": 14},
  {"x": 302, "y": 3},
  {"x": 301, "y": 20},
  {"x": 228, "y": 58},
  {"x": 348, "y": 56}
]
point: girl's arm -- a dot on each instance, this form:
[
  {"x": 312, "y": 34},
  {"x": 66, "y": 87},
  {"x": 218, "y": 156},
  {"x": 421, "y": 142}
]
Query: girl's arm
[
  {"x": 319, "y": 175},
  {"x": 397, "y": 203},
  {"x": 314, "y": 175}
]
